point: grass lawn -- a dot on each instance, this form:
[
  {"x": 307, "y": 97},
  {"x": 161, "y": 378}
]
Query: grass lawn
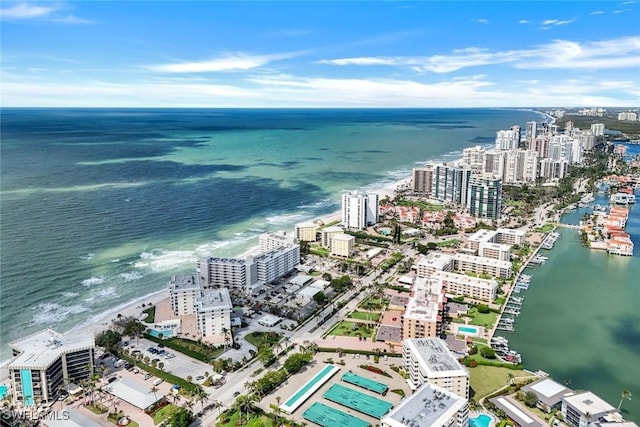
[
  {"x": 151, "y": 314},
  {"x": 319, "y": 251},
  {"x": 545, "y": 228},
  {"x": 260, "y": 339},
  {"x": 500, "y": 300},
  {"x": 482, "y": 319},
  {"x": 376, "y": 303},
  {"x": 449, "y": 243},
  {"x": 350, "y": 329},
  {"x": 374, "y": 317},
  {"x": 164, "y": 413},
  {"x": 255, "y": 421},
  {"x": 487, "y": 379}
]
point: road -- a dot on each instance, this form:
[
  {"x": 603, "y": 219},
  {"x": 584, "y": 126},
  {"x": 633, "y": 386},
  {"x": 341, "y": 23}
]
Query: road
[{"x": 236, "y": 381}]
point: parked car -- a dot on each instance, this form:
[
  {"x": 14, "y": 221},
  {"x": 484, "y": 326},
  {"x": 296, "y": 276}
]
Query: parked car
[
  {"x": 199, "y": 378},
  {"x": 147, "y": 376},
  {"x": 112, "y": 379},
  {"x": 236, "y": 394}
]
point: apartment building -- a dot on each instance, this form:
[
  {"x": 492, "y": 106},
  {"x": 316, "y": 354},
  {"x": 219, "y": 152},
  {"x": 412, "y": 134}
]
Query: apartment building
[
  {"x": 431, "y": 406},
  {"x": 479, "y": 265},
  {"x": 450, "y": 184},
  {"x": 226, "y": 272},
  {"x": 585, "y": 408},
  {"x": 425, "y": 311},
  {"x": 326, "y": 234},
  {"x": 428, "y": 360},
  {"x": 474, "y": 287},
  {"x": 272, "y": 265},
  {"x": 213, "y": 312},
  {"x": 484, "y": 198},
  {"x": 342, "y": 245},
  {"x": 44, "y": 362},
  {"x": 508, "y": 139},
  {"x": 510, "y": 236},
  {"x": 422, "y": 181},
  {"x": 183, "y": 291},
  {"x": 306, "y": 231},
  {"x": 274, "y": 240},
  {"x": 474, "y": 157},
  {"x": 359, "y": 209},
  {"x": 433, "y": 262}
]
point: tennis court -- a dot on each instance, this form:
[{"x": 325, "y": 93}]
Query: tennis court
[
  {"x": 366, "y": 383},
  {"x": 327, "y": 416},
  {"x": 357, "y": 401}
]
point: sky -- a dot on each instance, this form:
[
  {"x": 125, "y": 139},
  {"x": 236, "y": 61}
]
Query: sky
[{"x": 320, "y": 54}]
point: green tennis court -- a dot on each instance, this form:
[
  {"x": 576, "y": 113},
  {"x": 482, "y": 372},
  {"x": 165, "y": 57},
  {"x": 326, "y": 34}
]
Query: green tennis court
[
  {"x": 357, "y": 401},
  {"x": 326, "y": 416},
  {"x": 366, "y": 383}
]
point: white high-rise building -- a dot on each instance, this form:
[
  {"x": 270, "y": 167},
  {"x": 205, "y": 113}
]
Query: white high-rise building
[
  {"x": 430, "y": 406},
  {"x": 274, "y": 240},
  {"x": 531, "y": 131},
  {"x": 473, "y": 157},
  {"x": 428, "y": 360},
  {"x": 183, "y": 291},
  {"x": 359, "y": 209},
  {"x": 521, "y": 166},
  {"x": 276, "y": 263},
  {"x": 213, "y": 312},
  {"x": 508, "y": 139},
  {"x": 450, "y": 184},
  {"x": 597, "y": 129}
]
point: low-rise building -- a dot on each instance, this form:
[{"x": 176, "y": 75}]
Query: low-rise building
[
  {"x": 549, "y": 393},
  {"x": 481, "y": 265},
  {"x": 45, "y": 361},
  {"x": 433, "y": 262},
  {"x": 474, "y": 287},
  {"x": 428, "y": 360},
  {"x": 326, "y": 234},
  {"x": 306, "y": 231},
  {"x": 274, "y": 240},
  {"x": 430, "y": 406}
]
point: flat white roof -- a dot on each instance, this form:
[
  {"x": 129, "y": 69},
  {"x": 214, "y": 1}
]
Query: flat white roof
[
  {"x": 218, "y": 298},
  {"x": 515, "y": 411},
  {"x": 139, "y": 395},
  {"x": 547, "y": 387},
  {"x": 41, "y": 349},
  {"x": 483, "y": 236},
  {"x": 308, "y": 292},
  {"x": 588, "y": 402},
  {"x": 437, "y": 260},
  {"x": 344, "y": 237},
  {"x": 468, "y": 280},
  {"x": 73, "y": 419},
  {"x": 435, "y": 358},
  {"x": 430, "y": 405},
  {"x": 301, "y": 280}
]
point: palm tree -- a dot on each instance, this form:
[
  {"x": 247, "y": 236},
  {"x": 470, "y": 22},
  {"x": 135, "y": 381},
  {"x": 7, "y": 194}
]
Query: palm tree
[
  {"x": 244, "y": 403},
  {"x": 510, "y": 378},
  {"x": 154, "y": 390},
  {"x": 227, "y": 337},
  {"x": 626, "y": 394},
  {"x": 201, "y": 396}
]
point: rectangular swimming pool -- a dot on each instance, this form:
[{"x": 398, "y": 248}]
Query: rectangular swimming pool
[
  {"x": 468, "y": 329},
  {"x": 310, "y": 387}
]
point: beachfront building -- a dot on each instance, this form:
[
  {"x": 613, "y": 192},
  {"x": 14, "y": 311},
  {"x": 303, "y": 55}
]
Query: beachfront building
[
  {"x": 422, "y": 180},
  {"x": 44, "y": 363},
  {"x": 531, "y": 131},
  {"x": 306, "y": 231},
  {"x": 327, "y": 233},
  {"x": 584, "y": 408},
  {"x": 508, "y": 139},
  {"x": 450, "y": 184},
  {"x": 272, "y": 265},
  {"x": 554, "y": 170},
  {"x": 480, "y": 265},
  {"x": 213, "y": 312},
  {"x": 359, "y": 209},
  {"x": 342, "y": 245},
  {"x": 484, "y": 198},
  {"x": 473, "y": 157},
  {"x": 474, "y": 287},
  {"x": 597, "y": 129},
  {"x": 428, "y": 360},
  {"x": 183, "y": 291},
  {"x": 430, "y": 406},
  {"x": 226, "y": 272},
  {"x": 424, "y": 314},
  {"x": 270, "y": 241}
]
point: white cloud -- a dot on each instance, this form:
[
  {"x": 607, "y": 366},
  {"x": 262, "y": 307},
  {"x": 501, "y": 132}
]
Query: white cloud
[
  {"x": 26, "y": 11},
  {"x": 482, "y": 21},
  {"x": 597, "y": 12},
  {"x": 616, "y": 53},
  {"x": 523, "y": 21},
  {"x": 231, "y": 62}
]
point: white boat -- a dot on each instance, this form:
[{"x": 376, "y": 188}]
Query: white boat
[{"x": 622, "y": 198}]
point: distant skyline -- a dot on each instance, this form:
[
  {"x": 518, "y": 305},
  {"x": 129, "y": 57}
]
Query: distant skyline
[{"x": 320, "y": 54}]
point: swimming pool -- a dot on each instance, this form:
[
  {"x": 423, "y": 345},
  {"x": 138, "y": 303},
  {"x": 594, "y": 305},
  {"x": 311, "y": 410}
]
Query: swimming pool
[
  {"x": 468, "y": 329},
  {"x": 165, "y": 334},
  {"x": 4, "y": 389},
  {"x": 482, "y": 420}
]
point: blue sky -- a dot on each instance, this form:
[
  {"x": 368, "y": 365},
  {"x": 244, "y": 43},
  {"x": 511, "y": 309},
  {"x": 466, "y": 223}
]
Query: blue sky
[{"x": 320, "y": 54}]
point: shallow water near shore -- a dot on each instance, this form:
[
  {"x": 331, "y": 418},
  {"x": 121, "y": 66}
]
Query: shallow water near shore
[{"x": 580, "y": 320}]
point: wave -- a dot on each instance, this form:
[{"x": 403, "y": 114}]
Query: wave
[
  {"x": 48, "y": 313},
  {"x": 70, "y": 294},
  {"x": 88, "y": 256},
  {"x": 93, "y": 281},
  {"x": 130, "y": 276},
  {"x": 285, "y": 218}
]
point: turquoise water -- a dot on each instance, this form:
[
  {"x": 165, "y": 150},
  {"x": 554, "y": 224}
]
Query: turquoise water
[
  {"x": 482, "y": 420},
  {"x": 27, "y": 387},
  {"x": 3, "y": 391},
  {"x": 165, "y": 334},
  {"x": 467, "y": 329},
  {"x": 580, "y": 320},
  {"x": 320, "y": 376}
]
